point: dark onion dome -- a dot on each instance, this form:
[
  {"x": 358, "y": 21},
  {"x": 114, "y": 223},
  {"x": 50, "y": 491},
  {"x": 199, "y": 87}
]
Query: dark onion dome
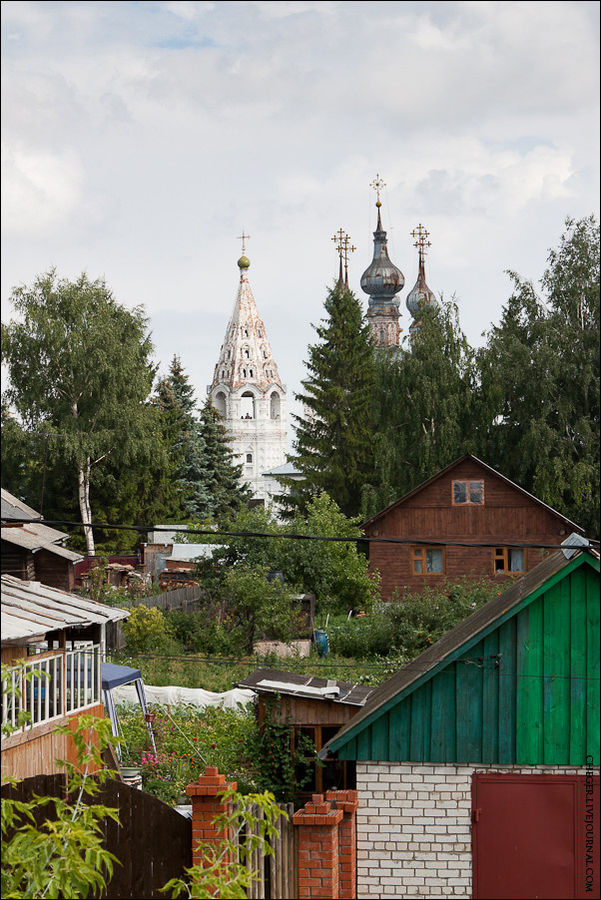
[
  {"x": 382, "y": 279},
  {"x": 420, "y": 297}
]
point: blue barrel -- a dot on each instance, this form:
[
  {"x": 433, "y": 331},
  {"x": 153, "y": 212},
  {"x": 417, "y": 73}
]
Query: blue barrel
[{"x": 321, "y": 642}]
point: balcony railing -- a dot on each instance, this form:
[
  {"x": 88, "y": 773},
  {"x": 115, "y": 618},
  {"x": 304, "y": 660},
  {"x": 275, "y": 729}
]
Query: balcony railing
[{"x": 51, "y": 687}]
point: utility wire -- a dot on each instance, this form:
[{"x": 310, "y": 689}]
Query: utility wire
[{"x": 207, "y": 532}]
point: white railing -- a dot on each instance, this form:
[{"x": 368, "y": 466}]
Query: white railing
[{"x": 51, "y": 687}]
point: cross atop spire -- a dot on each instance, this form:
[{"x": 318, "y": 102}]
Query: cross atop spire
[
  {"x": 378, "y": 185},
  {"x": 243, "y": 237},
  {"x": 342, "y": 242},
  {"x": 421, "y": 235}
]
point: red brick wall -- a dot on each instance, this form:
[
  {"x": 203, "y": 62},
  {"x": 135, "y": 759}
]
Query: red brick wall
[{"x": 327, "y": 846}]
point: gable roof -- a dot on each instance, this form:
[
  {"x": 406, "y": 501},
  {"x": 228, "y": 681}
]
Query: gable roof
[
  {"x": 453, "y": 465},
  {"x": 459, "y": 639},
  {"x": 36, "y": 536}
]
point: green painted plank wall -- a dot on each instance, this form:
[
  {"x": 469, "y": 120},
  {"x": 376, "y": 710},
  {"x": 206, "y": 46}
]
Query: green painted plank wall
[{"x": 527, "y": 694}]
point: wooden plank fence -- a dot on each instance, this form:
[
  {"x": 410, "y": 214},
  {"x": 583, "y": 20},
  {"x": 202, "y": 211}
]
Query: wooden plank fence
[
  {"x": 183, "y": 598},
  {"x": 152, "y": 841}
]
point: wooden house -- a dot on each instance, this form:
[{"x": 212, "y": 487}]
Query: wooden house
[
  {"x": 52, "y": 648},
  {"x": 314, "y": 707},
  {"x": 467, "y": 519},
  {"x": 478, "y": 762},
  {"x": 31, "y": 549}
]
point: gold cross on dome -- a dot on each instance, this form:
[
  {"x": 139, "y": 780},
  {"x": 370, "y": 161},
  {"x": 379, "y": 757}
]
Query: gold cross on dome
[
  {"x": 421, "y": 235},
  {"x": 378, "y": 185},
  {"x": 243, "y": 237}
]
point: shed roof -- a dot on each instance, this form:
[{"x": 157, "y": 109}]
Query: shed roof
[
  {"x": 453, "y": 465},
  {"x": 31, "y": 609},
  {"x": 275, "y": 681},
  {"x": 458, "y": 639},
  {"x": 13, "y": 508}
]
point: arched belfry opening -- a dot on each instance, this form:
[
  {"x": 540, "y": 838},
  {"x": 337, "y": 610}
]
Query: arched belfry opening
[
  {"x": 275, "y": 405},
  {"x": 247, "y": 405},
  {"x": 220, "y": 403}
]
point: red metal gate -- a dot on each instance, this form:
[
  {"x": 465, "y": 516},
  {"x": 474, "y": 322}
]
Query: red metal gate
[{"x": 531, "y": 836}]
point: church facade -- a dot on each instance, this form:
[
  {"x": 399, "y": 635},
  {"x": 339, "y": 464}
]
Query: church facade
[{"x": 248, "y": 392}]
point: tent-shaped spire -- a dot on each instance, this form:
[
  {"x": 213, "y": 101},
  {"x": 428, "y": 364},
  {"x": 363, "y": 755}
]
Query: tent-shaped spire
[{"x": 245, "y": 356}]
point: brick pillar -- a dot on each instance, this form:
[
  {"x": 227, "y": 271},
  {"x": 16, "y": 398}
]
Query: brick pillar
[
  {"x": 206, "y": 806},
  {"x": 318, "y": 862},
  {"x": 347, "y": 840}
]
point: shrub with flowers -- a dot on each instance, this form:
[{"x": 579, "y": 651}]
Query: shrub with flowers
[{"x": 187, "y": 741}]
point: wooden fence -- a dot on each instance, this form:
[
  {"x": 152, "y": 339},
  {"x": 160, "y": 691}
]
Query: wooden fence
[
  {"x": 152, "y": 841},
  {"x": 185, "y": 598},
  {"x": 277, "y": 874}
]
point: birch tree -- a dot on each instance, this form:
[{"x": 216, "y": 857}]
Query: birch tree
[{"x": 80, "y": 369}]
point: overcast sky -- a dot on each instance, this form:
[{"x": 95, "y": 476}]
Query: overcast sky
[{"x": 140, "y": 138}]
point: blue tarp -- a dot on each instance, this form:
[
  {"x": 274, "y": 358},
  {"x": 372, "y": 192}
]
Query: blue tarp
[{"x": 113, "y": 676}]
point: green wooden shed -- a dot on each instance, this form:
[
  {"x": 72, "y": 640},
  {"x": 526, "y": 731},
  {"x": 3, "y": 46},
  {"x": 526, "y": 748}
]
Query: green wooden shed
[
  {"x": 477, "y": 763},
  {"x": 515, "y": 683}
]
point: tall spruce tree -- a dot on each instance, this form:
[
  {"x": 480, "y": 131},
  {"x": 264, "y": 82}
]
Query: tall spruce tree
[
  {"x": 334, "y": 440},
  {"x": 426, "y": 406},
  {"x": 540, "y": 379},
  {"x": 182, "y": 432},
  {"x": 225, "y": 491}
]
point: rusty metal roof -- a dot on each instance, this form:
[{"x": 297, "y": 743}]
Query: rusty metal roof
[{"x": 31, "y": 609}]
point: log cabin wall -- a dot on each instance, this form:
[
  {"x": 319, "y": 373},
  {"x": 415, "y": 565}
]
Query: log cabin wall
[
  {"x": 54, "y": 571},
  {"x": 507, "y": 517},
  {"x": 17, "y": 561}
]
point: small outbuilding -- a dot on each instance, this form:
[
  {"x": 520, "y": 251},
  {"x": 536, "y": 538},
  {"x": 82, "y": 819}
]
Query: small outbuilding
[
  {"x": 314, "y": 707},
  {"x": 477, "y": 764}
]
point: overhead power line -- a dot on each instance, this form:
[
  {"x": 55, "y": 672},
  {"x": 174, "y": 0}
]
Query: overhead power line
[{"x": 209, "y": 532}]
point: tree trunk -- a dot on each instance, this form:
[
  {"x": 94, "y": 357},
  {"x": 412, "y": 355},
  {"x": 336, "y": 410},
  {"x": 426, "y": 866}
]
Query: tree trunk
[{"x": 83, "y": 478}]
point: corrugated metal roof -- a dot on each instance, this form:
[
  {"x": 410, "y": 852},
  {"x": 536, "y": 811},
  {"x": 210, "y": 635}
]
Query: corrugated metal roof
[
  {"x": 30, "y": 609},
  {"x": 13, "y": 508}
]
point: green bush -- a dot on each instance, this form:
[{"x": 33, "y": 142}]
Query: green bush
[
  {"x": 147, "y": 631},
  {"x": 404, "y": 628}
]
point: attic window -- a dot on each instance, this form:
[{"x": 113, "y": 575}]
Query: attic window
[{"x": 468, "y": 493}]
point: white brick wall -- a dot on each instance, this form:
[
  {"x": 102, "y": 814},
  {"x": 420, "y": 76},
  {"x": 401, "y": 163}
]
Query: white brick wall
[{"x": 414, "y": 827}]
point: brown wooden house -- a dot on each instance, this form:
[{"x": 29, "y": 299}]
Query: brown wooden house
[
  {"x": 32, "y": 550},
  {"x": 467, "y": 502}
]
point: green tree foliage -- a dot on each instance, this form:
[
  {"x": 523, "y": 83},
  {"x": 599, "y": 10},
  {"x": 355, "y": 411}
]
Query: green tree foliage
[
  {"x": 80, "y": 368},
  {"x": 64, "y": 856},
  {"x": 223, "y": 485},
  {"x": 540, "y": 380},
  {"x": 333, "y": 444},
  {"x": 426, "y": 407},
  {"x": 335, "y": 571},
  {"x": 187, "y": 458},
  {"x": 147, "y": 630}
]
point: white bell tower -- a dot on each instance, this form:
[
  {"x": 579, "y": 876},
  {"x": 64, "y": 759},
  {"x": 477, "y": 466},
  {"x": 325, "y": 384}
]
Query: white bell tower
[{"x": 248, "y": 392}]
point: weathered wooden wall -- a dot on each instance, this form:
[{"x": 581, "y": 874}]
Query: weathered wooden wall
[
  {"x": 527, "y": 694},
  {"x": 507, "y": 517},
  {"x": 54, "y": 570},
  {"x": 16, "y": 561}
]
